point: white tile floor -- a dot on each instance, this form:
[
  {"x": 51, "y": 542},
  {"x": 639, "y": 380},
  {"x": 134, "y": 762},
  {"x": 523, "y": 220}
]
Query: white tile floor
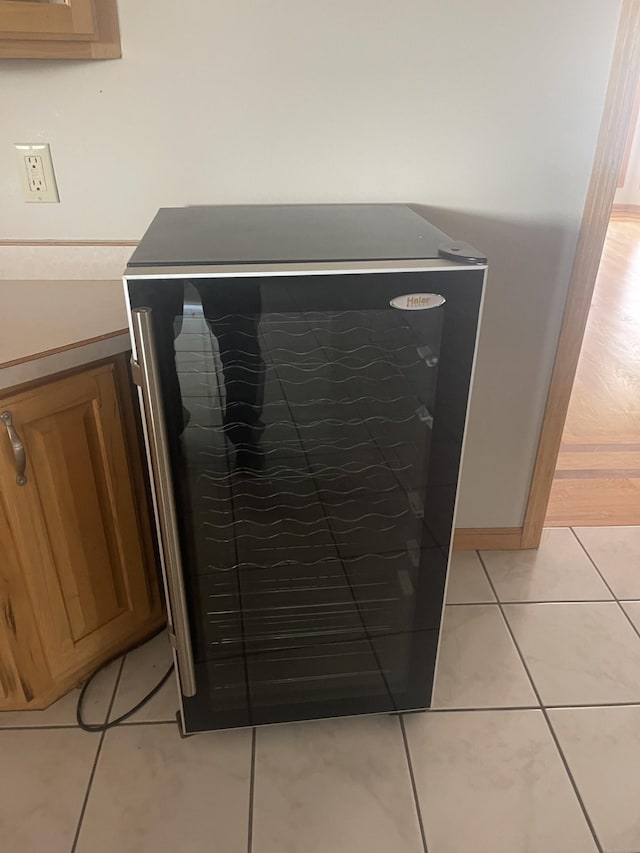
[{"x": 533, "y": 744}]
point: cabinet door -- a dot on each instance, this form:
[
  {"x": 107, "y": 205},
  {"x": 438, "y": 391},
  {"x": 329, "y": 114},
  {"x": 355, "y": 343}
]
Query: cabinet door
[
  {"x": 23, "y": 671},
  {"x": 49, "y": 29},
  {"x": 74, "y": 520},
  {"x": 25, "y": 19}
]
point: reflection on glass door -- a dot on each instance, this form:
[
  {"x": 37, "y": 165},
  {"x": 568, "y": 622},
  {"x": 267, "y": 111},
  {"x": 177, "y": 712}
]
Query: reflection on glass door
[{"x": 300, "y": 445}]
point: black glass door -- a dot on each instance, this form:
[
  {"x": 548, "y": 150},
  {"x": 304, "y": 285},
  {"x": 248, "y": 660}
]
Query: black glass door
[{"x": 315, "y": 435}]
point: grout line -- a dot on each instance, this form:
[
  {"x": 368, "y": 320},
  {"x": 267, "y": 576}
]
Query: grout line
[
  {"x": 604, "y": 581},
  {"x": 629, "y": 619},
  {"x": 593, "y": 563},
  {"x": 534, "y": 601},
  {"x": 545, "y": 714},
  {"x": 27, "y": 728},
  {"x": 575, "y": 706},
  {"x": 96, "y": 759},
  {"x": 413, "y": 783},
  {"x": 251, "y": 790},
  {"x": 467, "y": 708}
]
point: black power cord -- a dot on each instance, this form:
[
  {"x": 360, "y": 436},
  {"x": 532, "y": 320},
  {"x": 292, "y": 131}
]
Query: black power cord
[{"x": 102, "y": 727}]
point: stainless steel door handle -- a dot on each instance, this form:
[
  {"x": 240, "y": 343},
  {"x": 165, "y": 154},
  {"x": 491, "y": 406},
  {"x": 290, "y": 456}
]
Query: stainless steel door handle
[
  {"x": 19, "y": 453},
  {"x": 147, "y": 376}
]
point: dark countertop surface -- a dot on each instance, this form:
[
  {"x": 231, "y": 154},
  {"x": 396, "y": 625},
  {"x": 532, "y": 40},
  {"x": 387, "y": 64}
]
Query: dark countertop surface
[{"x": 252, "y": 234}]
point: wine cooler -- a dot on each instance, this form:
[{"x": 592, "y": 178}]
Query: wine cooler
[{"x": 304, "y": 373}]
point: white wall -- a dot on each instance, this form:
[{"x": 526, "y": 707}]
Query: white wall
[{"x": 487, "y": 112}]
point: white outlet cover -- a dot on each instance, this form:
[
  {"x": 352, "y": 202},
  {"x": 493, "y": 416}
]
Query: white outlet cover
[{"x": 35, "y": 167}]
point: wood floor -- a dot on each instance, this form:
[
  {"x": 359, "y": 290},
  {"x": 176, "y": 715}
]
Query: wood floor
[{"x": 597, "y": 480}]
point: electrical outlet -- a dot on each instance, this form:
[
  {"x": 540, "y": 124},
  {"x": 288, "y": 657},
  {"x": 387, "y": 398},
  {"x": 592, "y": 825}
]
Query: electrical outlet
[{"x": 35, "y": 168}]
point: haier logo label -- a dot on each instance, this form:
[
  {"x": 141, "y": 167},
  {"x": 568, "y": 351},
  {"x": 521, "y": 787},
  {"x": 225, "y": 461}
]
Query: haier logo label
[{"x": 417, "y": 301}]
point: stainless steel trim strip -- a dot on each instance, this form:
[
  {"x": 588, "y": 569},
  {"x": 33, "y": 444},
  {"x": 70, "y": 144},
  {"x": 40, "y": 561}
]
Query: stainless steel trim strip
[
  {"x": 474, "y": 364},
  {"x": 297, "y": 268},
  {"x": 149, "y": 378}
]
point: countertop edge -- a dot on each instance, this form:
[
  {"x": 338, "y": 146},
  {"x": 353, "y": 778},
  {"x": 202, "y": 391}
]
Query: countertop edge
[{"x": 41, "y": 365}]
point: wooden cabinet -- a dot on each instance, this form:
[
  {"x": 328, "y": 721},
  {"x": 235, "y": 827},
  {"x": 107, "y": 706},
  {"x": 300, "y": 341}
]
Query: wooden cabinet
[
  {"x": 23, "y": 668},
  {"x": 77, "y": 570},
  {"x": 48, "y": 29}
]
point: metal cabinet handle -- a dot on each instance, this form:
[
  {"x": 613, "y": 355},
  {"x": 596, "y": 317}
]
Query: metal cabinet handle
[
  {"x": 19, "y": 453},
  {"x": 147, "y": 376}
]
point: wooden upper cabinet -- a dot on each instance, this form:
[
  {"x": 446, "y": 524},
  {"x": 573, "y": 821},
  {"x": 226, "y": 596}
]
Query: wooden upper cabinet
[
  {"x": 32, "y": 19},
  {"x": 72, "y": 538},
  {"x": 75, "y": 29}
]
